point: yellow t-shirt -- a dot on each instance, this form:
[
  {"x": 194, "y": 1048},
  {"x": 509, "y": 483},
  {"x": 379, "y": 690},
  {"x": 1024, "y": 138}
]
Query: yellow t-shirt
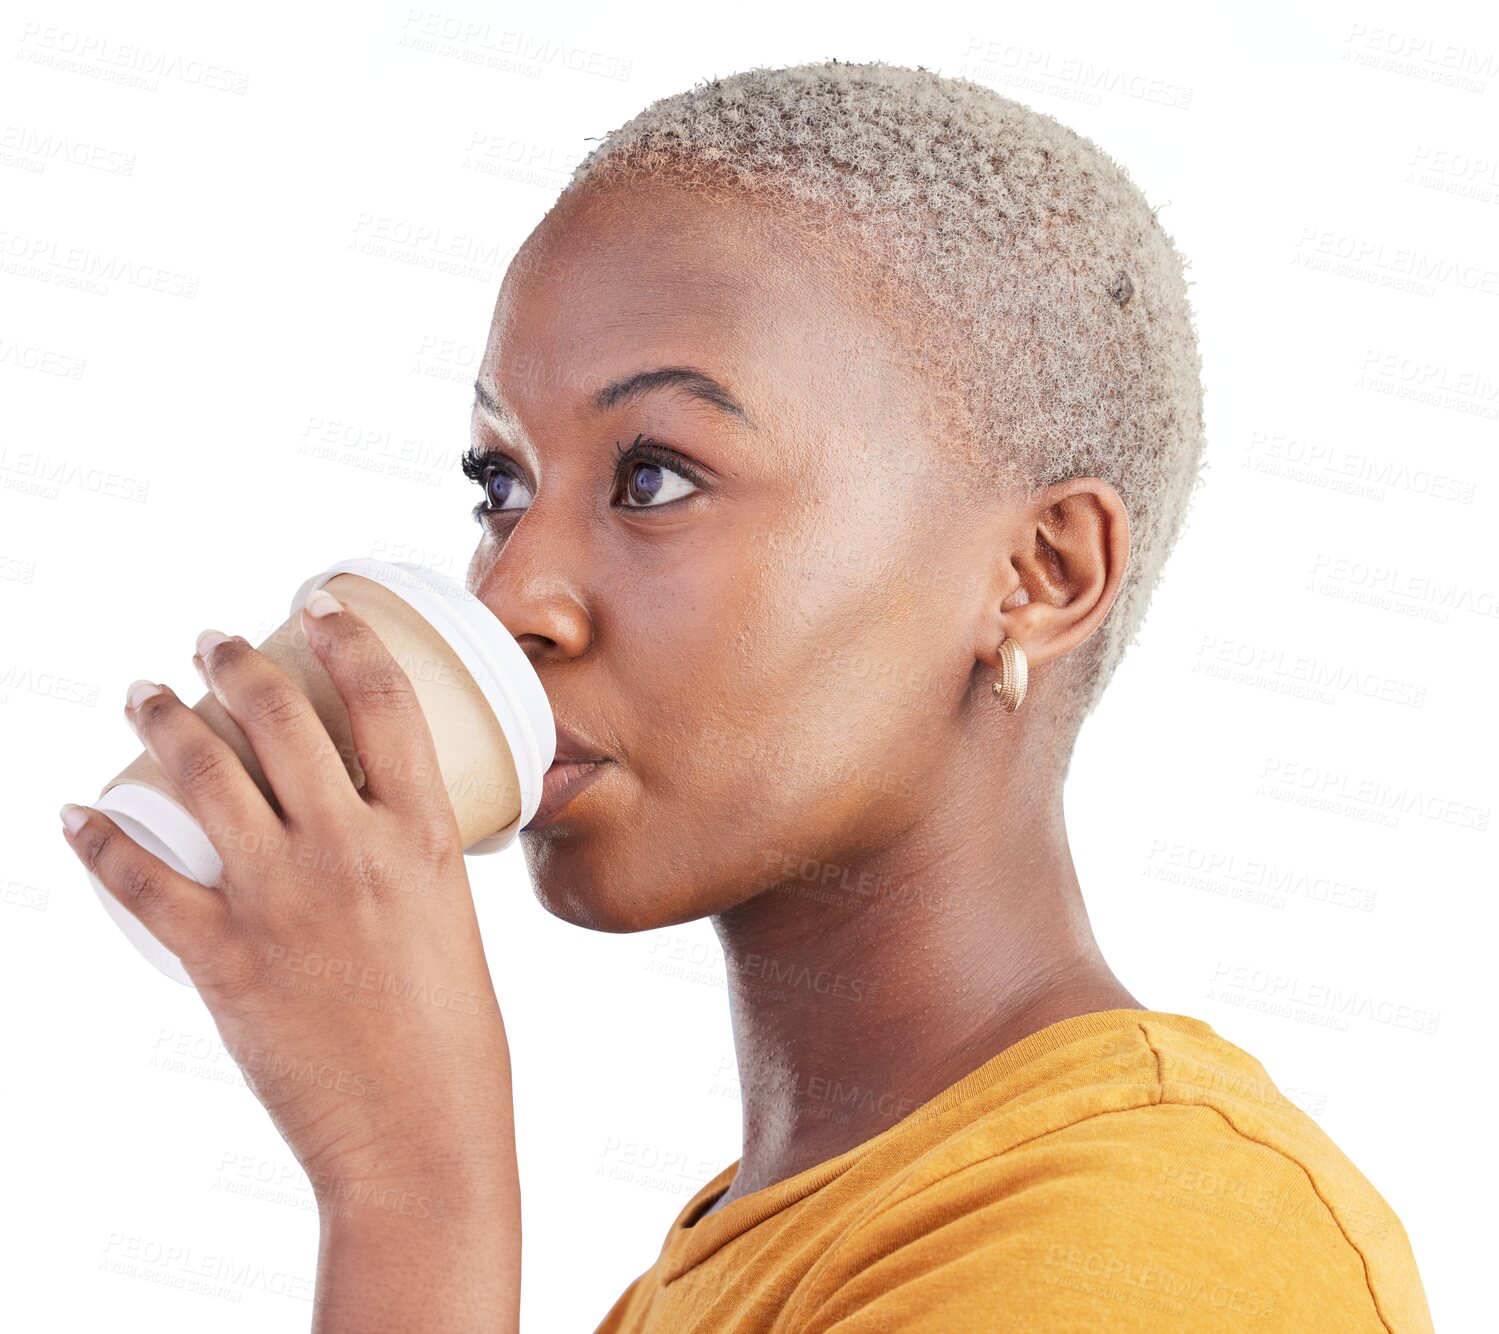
[{"x": 1123, "y": 1170}]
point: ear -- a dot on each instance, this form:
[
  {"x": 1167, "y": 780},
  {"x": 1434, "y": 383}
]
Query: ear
[{"x": 1066, "y": 551}]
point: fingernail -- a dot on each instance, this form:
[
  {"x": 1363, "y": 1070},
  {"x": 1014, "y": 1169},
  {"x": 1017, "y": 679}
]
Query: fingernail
[
  {"x": 140, "y": 692},
  {"x": 208, "y": 641},
  {"x": 322, "y": 604},
  {"x": 73, "y": 817}
]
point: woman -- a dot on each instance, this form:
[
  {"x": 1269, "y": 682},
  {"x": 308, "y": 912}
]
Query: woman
[{"x": 833, "y": 429}]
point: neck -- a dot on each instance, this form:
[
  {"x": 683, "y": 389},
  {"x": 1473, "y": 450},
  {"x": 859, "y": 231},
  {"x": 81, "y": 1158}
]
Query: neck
[{"x": 859, "y": 991}]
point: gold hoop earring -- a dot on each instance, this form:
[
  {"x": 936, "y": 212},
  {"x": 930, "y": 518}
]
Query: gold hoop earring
[{"x": 1013, "y": 675}]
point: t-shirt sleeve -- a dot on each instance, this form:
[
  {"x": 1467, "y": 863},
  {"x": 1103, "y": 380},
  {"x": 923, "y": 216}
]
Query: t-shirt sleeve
[
  {"x": 614, "y": 1318},
  {"x": 1161, "y": 1218}
]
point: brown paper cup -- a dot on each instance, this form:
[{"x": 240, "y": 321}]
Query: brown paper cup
[{"x": 491, "y": 725}]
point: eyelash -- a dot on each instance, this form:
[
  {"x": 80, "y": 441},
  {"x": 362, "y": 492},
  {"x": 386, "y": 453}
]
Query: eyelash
[{"x": 477, "y": 464}]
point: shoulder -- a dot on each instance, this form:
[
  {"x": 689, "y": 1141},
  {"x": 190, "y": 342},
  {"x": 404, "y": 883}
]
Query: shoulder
[{"x": 1194, "y": 1198}]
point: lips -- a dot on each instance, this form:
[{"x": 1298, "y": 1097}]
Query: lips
[{"x": 561, "y": 783}]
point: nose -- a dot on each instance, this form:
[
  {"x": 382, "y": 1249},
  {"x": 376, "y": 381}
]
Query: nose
[{"x": 533, "y": 594}]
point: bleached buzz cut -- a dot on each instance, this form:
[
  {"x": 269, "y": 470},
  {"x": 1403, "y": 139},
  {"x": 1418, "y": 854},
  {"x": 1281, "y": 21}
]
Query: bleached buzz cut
[{"x": 1049, "y": 303}]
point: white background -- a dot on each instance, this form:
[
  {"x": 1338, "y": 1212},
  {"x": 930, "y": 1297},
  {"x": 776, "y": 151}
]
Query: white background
[{"x": 1282, "y": 814}]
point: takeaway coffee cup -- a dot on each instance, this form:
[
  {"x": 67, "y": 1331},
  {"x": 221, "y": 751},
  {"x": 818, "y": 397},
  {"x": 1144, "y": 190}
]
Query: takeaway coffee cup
[{"x": 491, "y": 724}]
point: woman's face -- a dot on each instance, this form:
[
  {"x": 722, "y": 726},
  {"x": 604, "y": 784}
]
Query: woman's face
[{"x": 774, "y": 639}]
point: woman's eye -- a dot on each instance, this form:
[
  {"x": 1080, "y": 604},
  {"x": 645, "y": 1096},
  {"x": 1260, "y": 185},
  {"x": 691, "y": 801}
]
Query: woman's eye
[
  {"x": 502, "y": 488},
  {"x": 649, "y": 485},
  {"x": 646, "y": 483}
]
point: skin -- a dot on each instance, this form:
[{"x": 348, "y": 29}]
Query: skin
[
  {"x": 389, "y": 1075},
  {"x": 790, "y": 669}
]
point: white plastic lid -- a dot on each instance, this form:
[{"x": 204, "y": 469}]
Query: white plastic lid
[{"x": 488, "y": 650}]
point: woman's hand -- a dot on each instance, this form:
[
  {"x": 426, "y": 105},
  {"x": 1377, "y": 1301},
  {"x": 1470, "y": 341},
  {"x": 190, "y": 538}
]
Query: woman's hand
[{"x": 340, "y": 952}]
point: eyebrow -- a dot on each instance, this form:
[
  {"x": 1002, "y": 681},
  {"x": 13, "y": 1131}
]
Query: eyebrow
[{"x": 697, "y": 383}]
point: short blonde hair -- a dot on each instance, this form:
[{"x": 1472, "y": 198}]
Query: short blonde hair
[{"x": 1055, "y": 304}]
